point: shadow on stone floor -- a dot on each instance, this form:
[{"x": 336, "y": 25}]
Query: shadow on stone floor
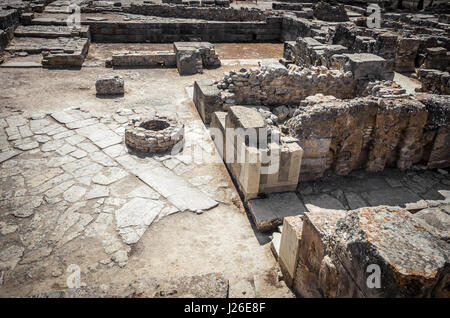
[{"x": 413, "y": 189}]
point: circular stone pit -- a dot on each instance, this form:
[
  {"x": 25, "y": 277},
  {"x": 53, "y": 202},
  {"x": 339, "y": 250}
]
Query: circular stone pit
[{"x": 153, "y": 135}]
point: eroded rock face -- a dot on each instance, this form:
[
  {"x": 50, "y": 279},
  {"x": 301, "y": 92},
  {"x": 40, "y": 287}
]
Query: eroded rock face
[
  {"x": 362, "y": 133},
  {"x": 436, "y": 141},
  {"x": 371, "y": 252}
]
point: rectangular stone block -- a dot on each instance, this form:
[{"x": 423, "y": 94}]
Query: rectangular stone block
[
  {"x": 289, "y": 247},
  {"x": 206, "y": 99},
  {"x": 366, "y": 66}
]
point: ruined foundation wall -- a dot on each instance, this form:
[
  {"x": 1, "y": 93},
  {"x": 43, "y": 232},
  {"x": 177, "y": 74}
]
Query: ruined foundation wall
[
  {"x": 434, "y": 81},
  {"x": 211, "y": 31},
  {"x": 364, "y": 133},
  {"x": 9, "y": 20},
  {"x": 212, "y": 13},
  {"x": 276, "y": 85}
]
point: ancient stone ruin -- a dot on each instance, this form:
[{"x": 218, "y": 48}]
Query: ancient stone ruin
[
  {"x": 168, "y": 148},
  {"x": 154, "y": 134}
]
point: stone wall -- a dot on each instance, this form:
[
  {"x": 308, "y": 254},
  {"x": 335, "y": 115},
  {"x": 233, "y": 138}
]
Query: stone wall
[
  {"x": 330, "y": 12},
  {"x": 403, "y": 52},
  {"x": 364, "y": 133},
  {"x": 165, "y": 32},
  {"x": 203, "y": 13},
  {"x": 9, "y": 20},
  {"x": 294, "y": 27},
  {"x": 73, "y": 56},
  {"x": 275, "y": 85}
]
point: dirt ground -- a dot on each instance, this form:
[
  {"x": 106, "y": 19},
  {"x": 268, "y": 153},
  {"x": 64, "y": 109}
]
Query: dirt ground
[{"x": 181, "y": 244}]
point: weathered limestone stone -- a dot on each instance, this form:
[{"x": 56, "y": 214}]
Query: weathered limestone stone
[
  {"x": 269, "y": 212},
  {"x": 97, "y": 191},
  {"x": 348, "y": 245},
  {"x": 330, "y": 12},
  {"x": 406, "y": 54},
  {"x": 109, "y": 84},
  {"x": 8, "y": 154},
  {"x": 193, "y": 56},
  {"x": 365, "y": 134},
  {"x": 437, "y": 217},
  {"x": 144, "y": 59}
]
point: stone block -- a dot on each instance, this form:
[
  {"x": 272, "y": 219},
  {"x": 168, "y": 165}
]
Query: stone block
[
  {"x": 378, "y": 236},
  {"x": 144, "y": 59},
  {"x": 109, "y": 84},
  {"x": 269, "y": 212},
  {"x": 206, "y": 99},
  {"x": 244, "y": 117},
  {"x": 366, "y": 66},
  {"x": 289, "y": 247}
]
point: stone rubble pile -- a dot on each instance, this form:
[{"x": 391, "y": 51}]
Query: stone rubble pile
[{"x": 275, "y": 85}]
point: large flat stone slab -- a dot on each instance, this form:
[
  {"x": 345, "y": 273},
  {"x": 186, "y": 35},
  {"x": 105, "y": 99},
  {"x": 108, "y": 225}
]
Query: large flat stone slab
[
  {"x": 180, "y": 193},
  {"x": 392, "y": 197},
  {"x": 269, "y": 212},
  {"x": 100, "y": 135},
  {"x": 134, "y": 218}
]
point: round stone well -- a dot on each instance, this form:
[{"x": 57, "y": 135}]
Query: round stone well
[{"x": 157, "y": 134}]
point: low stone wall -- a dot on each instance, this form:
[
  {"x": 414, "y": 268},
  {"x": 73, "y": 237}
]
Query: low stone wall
[
  {"x": 211, "y": 31},
  {"x": 275, "y": 85},
  {"x": 364, "y": 133},
  {"x": 204, "y": 13},
  {"x": 310, "y": 52},
  {"x": 144, "y": 59},
  {"x": 437, "y": 58},
  {"x": 434, "y": 81},
  {"x": 295, "y": 27},
  {"x": 287, "y": 6},
  {"x": 191, "y": 57},
  {"x": 9, "y": 20},
  {"x": 330, "y": 12},
  {"x": 402, "y": 52}
]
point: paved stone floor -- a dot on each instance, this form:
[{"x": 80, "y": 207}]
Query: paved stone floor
[
  {"x": 72, "y": 193},
  {"x": 414, "y": 189}
]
